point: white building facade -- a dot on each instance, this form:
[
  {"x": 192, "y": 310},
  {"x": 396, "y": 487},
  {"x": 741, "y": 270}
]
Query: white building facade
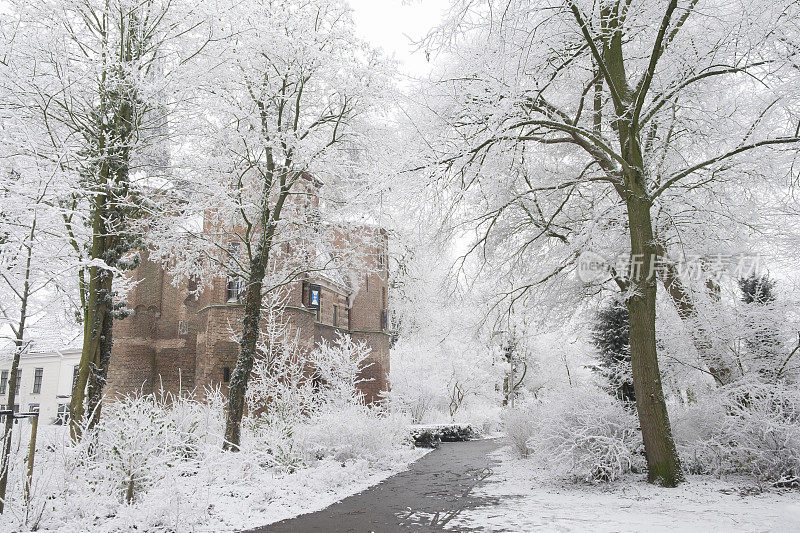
[{"x": 46, "y": 383}]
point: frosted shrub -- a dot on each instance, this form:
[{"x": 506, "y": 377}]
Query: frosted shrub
[
  {"x": 419, "y": 400},
  {"x": 342, "y": 427},
  {"x": 274, "y": 438},
  {"x": 518, "y": 427},
  {"x": 751, "y": 428},
  {"x": 353, "y": 432},
  {"x": 140, "y": 437},
  {"x": 583, "y": 433},
  {"x": 339, "y": 366},
  {"x": 280, "y": 383}
]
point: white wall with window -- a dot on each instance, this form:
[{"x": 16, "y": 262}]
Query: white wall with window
[{"x": 46, "y": 382}]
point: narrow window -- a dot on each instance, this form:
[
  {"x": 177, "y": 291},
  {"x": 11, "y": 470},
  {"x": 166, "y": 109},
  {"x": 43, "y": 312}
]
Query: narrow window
[
  {"x": 367, "y": 282},
  {"x": 62, "y": 416},
  {"x": 336, "y": 316},
  {"x": 16, "y": 408},
  {"x": 234, "y": 292},
  {"x": 234, "y": 288},
  {"x": 383, "y": 296},
  {"x": 304, "y": 293},
  {"x": 226, "y": 374},
  {"x": 3, "y": 381},
  {"x": 37, "y": 380}
]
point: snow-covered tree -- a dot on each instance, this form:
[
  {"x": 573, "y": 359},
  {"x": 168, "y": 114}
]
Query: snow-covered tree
[
  {"x": 35, "y": 270},
  {"x": 280, "y": 108},
  {"x": 571, "y": 126},
  {"x": 611, "y": 338},
  {"x": 36, "y": 264},
  {"x": 97, "y": 87}
]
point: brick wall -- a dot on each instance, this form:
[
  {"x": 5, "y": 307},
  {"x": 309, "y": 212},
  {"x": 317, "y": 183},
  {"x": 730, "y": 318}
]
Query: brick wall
[{"x": 175, "y": 340}]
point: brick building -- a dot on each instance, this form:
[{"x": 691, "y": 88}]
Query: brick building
[{"x": 178, "y": 339}]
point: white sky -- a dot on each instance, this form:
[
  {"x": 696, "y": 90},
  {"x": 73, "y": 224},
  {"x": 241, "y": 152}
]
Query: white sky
[{"x": 392, "y": 26}]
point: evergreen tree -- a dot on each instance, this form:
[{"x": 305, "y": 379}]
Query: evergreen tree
[
  {"x": 763, "y": 337},
  {"x": 757, "y": 289},
  {"x": 611, "y": 337}
]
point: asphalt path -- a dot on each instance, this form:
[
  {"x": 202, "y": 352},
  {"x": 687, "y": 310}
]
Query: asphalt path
[{"x": 426, "y": 497}]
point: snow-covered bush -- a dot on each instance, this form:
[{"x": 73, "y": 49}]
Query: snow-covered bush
[
  {"x": 273, "y": 436},
  {"x": 518, "y": 426},
  {"x": 348, "y": 432},
  {"x": 280, "y": 383},
  {"x": 442, "y": 381},
  {"x": 749, "y": 427},
  {"x": 578, "y": 432},
  {"x": 342, "y": 427},
  {"x": 140, "y": 437},
  {"x": 339, "y": 366}
]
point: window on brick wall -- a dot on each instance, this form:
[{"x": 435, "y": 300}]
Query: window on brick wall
[
  {"x": 366, "y": 282},
  {"x": 3, "y": 381},
  {"x": 226, "y": 374},
  {"x": 383, "y": 296},
  {"x": 191, "y": 290},
  {"x": 234, "y": 291},
  {"x": 235, "y": 283},
  {"x": 38, "y": 374},
  {"x": 336, "y": 315}
]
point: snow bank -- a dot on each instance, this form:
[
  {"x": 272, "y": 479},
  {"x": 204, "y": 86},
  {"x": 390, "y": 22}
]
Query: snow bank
[{"x": 156, "y": 464}]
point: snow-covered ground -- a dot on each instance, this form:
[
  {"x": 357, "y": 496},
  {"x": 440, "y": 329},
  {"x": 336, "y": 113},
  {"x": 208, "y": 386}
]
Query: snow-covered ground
[
  {"x": 224, "y": 492},
  {"x": 531, "y": 502},
  {"x": 228, "y": 504}
]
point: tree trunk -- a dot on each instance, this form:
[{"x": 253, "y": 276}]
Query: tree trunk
[
  {"x": 99, "y": 369},
  {"x": 252, "y": 313},
  {"x": 94, "y": 319},
  {"x": 663, "y": 464},
  {"x": 247, "y": 351},
  {"x": 5, "y": 460},
  {"x": 19, "y": 346}
]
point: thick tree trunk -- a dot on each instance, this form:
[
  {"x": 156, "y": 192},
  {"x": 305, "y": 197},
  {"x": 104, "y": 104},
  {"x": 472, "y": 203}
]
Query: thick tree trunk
[
  {"x": 97, "y": 310},
  {"x": 99, "y": 369},
  {"x": 663, "y": 464}
]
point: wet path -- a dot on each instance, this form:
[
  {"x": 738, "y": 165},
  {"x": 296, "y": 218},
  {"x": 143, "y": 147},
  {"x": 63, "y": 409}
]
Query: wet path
[{"x": 424, "y": 498}]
